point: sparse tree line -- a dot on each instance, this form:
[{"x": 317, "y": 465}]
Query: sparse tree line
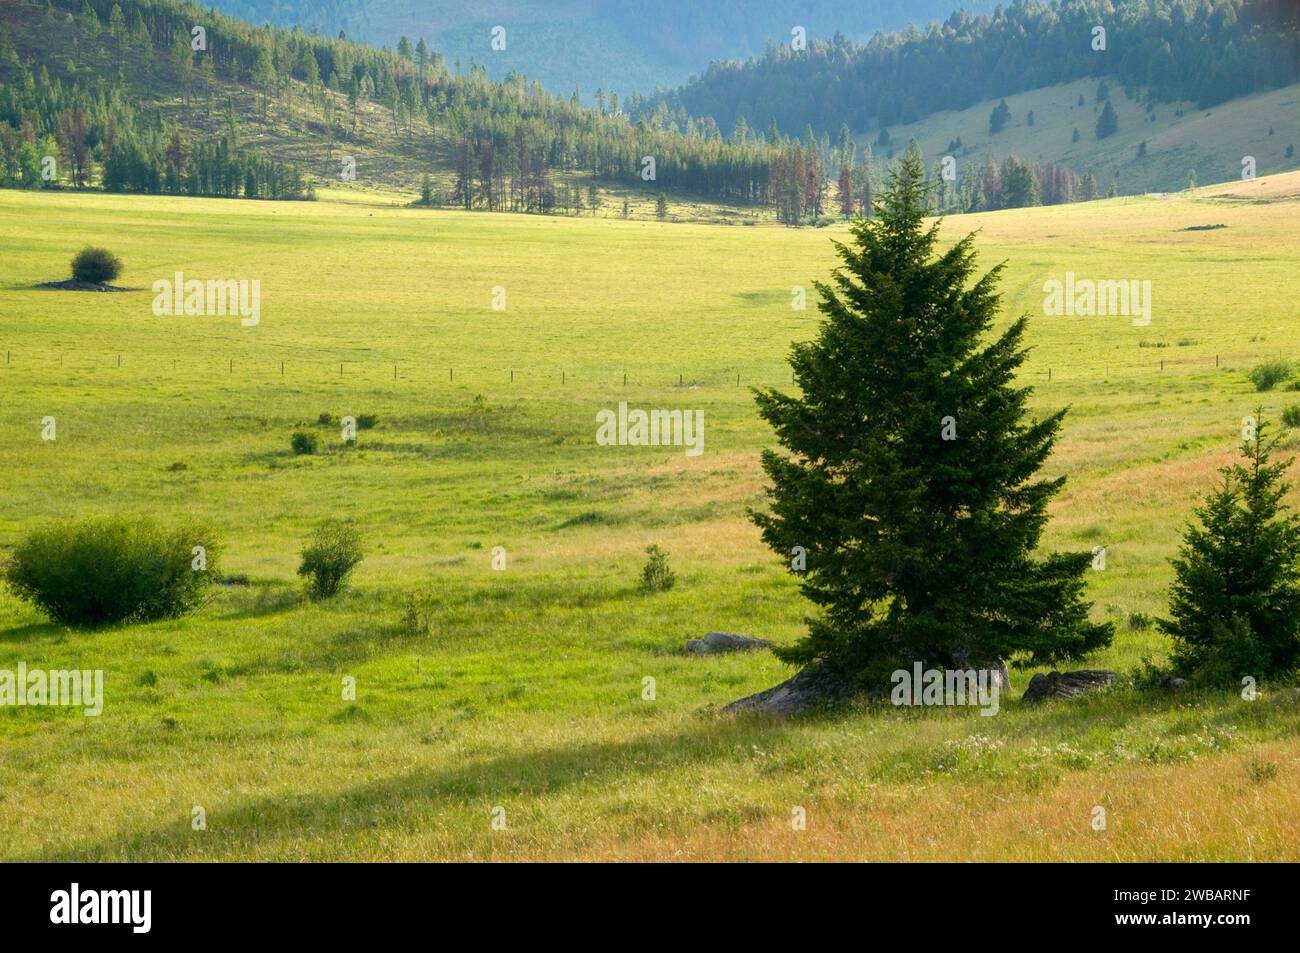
[{"x": 1013, "y": 183}]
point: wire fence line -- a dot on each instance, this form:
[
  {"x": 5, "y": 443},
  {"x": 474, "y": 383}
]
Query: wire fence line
[{"x": 430, "y": 371}]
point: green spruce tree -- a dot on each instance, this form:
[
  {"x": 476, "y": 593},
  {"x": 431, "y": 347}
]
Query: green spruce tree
[
  {"x": 999, "y": 118},
  {"x": 909, "y": 482},
  {"x": 1108, "y": 122},
  {"x": 1235, "y": 603}
]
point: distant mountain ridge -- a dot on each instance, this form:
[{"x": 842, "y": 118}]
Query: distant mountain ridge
[{"x": 618, "y": 45}]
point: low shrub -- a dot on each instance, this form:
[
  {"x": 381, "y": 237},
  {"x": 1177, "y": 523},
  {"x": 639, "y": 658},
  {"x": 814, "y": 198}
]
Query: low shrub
[
  {"x": 95, "y": 265},
  {"x": 1291, "y": 416},
  {"x": 367, "y": 421},
  {"x": 655, "y": 575},
  {"x": 304, "y": 442},
  {"x": 1268, "y": 375},
  {"x": 330, "y": 557},
  {"x": 102, "y": 571},
  {"x": 418, "y": 614}
]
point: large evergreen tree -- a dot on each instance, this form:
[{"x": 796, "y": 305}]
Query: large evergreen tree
[
  {"x": 1235, "y": 602},
  {"x": 910, "y": 478}
]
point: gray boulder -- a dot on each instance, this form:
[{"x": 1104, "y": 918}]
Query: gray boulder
[
  {"x": 813, "y": 687},
  {"x": 1066, "y": 684},
  {"x": 716, "y": 642}
]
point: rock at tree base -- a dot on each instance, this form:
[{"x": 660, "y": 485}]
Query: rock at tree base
[
  {"x": 811, "y": 688},
  {"x": 1066, "y": 684},
  {"x": 74, "y": 285},
  {"x": 716, "y": 642}
]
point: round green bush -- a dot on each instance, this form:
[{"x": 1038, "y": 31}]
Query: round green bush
[
  {"x": 96, "y": 265},
  {"x": 102, "y": 571},
  {"x": 304, "y": 442},
  {"x": 330, "y": 557},
  {"x": 1268, "y": 375}
]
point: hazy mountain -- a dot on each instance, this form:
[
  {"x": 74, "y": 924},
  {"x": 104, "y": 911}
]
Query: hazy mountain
[{"x": 619, "y": 45}]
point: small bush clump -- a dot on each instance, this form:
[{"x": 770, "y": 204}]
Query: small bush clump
[
  {"x": 1261, "y": 771},
  {"x": 330, "y": 557},
  {"x": 327, "y": 419},
  {"x": 418, "y": 614},
  {"x": 656, "y": 576},
  {"x": 96, "y": 265},
  {"x": 367, "y": 421},
  {"x": 1291, "y": 416},
  {"x": 103, "y": 571},
  {"x": 1268, "y": 375},
  {"x": 304, "y": 442}
]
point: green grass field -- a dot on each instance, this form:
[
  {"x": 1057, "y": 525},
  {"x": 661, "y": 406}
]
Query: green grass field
[{"x": 527, "y": 692}]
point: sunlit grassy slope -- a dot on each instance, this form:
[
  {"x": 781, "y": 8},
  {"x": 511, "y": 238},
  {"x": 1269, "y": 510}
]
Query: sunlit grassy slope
[
  {"x": 528, "y": 692},
  {"x": 1179, "y": 137}
]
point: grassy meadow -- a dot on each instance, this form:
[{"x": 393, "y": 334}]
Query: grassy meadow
[{"x": 526, "y": 690}]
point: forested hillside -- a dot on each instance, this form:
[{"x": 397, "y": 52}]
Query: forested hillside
[
  {"x": 1202, "y": 51},
  {"x": 98, "y": 81}
]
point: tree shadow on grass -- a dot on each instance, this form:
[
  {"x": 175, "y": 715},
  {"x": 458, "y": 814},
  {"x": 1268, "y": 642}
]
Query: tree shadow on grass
[
  {"x": 257, "y": 602},
  {"x": 398, "y": 801},
  {"x": 30, "y": 631}
]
